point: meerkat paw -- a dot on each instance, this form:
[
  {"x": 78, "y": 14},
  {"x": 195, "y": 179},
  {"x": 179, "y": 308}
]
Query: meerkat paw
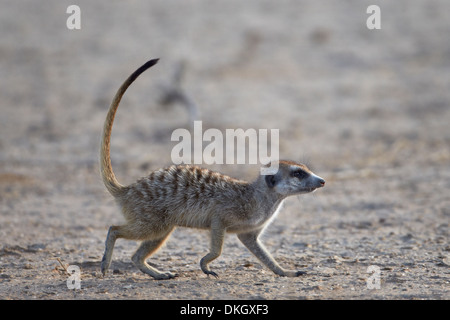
[
  {"x": 104, "y": 266},
  {"x": 209, "y": 272},
  {"x": 153, "y": 272},
  {"x": 205, "y": 268},
  {"x": 164, "y": 276}
]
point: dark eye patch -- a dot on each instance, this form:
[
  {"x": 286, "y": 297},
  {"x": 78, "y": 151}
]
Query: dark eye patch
[{"x": 300, "y": 174}]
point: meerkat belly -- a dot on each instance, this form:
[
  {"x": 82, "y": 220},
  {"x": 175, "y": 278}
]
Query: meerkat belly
[{"x": 248, "y": 225}]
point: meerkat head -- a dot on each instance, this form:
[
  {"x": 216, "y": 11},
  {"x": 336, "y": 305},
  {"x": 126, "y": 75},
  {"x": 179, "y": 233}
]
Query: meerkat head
[{"x": 293, "y": 178}]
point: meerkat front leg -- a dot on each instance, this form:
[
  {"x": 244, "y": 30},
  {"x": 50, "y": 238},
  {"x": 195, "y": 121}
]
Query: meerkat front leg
[
  {"x": 217, "y": 237},
  {"x": 251, "y": 241}
]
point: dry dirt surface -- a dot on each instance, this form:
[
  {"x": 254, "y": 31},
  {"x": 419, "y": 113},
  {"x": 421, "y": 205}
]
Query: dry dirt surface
[{"x": 368, "y": 110}]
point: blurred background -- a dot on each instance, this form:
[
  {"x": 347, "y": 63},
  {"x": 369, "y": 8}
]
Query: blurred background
[{"x": 368, "y": 110}]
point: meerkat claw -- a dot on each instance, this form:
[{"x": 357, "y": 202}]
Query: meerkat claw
[{"x": 211, "y": 273}]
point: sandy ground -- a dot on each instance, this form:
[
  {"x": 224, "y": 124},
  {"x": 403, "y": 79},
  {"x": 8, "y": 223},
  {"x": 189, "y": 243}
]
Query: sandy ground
[{"x": 368, "y": 110}]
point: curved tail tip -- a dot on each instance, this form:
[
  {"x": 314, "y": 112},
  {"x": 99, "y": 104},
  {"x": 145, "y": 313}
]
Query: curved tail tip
[{"x": 151, "y": 62}]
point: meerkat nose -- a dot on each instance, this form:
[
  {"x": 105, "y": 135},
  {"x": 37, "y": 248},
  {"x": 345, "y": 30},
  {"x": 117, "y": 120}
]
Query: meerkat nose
[{"x": 322, "y": 182}]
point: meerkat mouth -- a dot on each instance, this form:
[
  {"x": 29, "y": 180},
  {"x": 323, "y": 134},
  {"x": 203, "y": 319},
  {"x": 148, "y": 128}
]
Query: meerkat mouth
[
  {"x": 308, "y": 190},
  {"x": 311, "y": 189}
]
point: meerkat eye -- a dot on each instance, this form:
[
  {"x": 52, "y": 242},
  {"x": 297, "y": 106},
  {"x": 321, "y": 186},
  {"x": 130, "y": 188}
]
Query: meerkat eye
[{"x": 300, "y": 174}]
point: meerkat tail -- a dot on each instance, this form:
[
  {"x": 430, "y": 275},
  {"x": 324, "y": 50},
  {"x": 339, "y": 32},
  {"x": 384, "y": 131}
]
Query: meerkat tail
[{"x": 108, "y": 176}]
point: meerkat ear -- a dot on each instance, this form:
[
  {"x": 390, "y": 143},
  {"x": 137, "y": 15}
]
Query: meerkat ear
[{"x": 271, "y": 180}]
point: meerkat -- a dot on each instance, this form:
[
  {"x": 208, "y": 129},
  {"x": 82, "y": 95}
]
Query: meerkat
[{"x": 190, "y": 196}]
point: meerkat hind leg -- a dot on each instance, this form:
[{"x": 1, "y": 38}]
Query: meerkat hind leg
[
  {"x": 146, "y": 249},
  {"x": 250, "y": 240},
  {"x": 113, "y": 234}
]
